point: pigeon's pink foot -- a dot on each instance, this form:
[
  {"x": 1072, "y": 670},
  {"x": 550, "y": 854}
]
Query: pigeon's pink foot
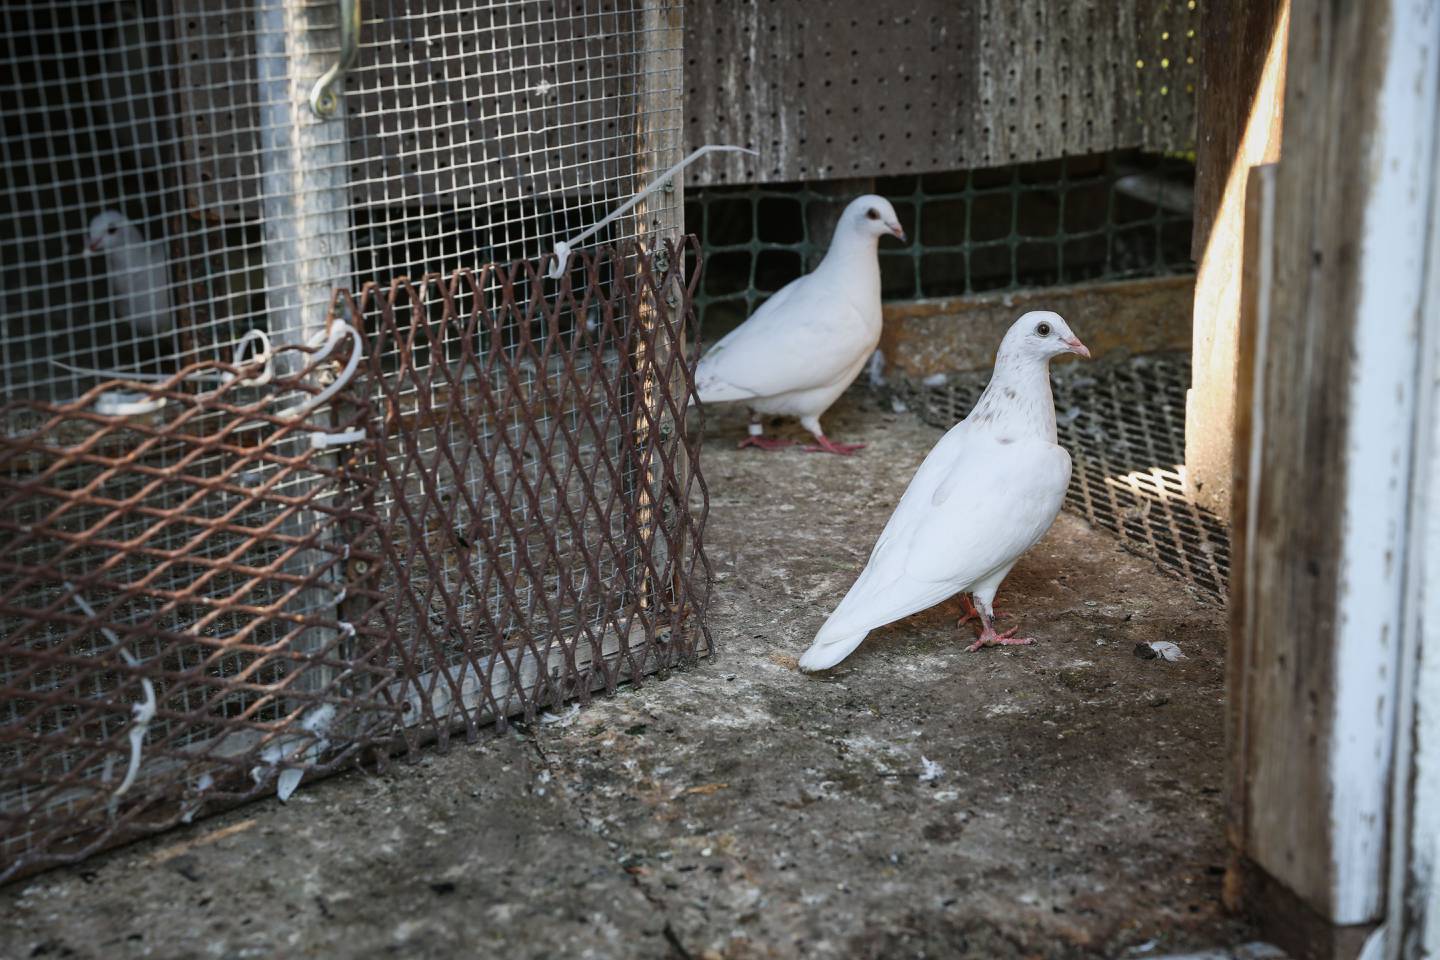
[
  {"x": 824, "y": 444},
  {"x": 765, "y": 443},
  {"x": 968, "y": 611},
  {"x": 989, "y": 638}
]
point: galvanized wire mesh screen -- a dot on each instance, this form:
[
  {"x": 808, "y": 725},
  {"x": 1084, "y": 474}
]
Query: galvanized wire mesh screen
[
  {"x": 1072, "y": 220},
  {"x": 506, "y": 517},
  {"x": 168, "y": 185},
  {"x": 247, "y": 546},
  {"x": 1123, "y": 421}
]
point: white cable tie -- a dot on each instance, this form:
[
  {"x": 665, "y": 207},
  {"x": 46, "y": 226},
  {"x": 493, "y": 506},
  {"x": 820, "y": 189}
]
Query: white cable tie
[
  {"x": 337, "y": 331},
  {"x": 319, "y": 439},
  {"x": 124, "y": 406},
  {"x": 339, "y": 597},
  {"x": 347, "y": 628},
  {"x": 124, "y": 403},
  {"x": 563, "y": 247},
  {"x": 263, "y": 357},
  {"x": 114, "y": 374},
  {"x": 141, "y": 714}
]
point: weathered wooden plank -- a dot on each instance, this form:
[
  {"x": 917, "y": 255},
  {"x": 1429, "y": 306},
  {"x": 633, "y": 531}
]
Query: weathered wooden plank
[
  {"x": 1256, "y": 284},
  {"x": 1236, "y": 39},
  {"x": 1294, "y": 578},
  {"x": 851, "y": 89},
  {"x": 1335, "y": 401},
  {"x": 926, "y": 337},
  {"x": 658, "y": 218},
  {"x": 1242, "y": 66}
]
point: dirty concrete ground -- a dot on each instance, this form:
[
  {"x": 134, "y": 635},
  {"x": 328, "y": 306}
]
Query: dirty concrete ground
[{"x": 1060, "y": 800}]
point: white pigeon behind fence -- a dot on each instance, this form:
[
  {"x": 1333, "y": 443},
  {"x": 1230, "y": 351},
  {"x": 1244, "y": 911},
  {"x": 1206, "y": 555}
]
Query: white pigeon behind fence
[
  {"x": 984, "y": 495},
  {"x": 796, "y": 354},
  {"x": 136, "y": 271}
]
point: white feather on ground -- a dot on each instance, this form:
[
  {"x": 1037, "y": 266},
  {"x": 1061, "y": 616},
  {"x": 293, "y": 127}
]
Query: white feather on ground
[
  {"x": 798, "y": 352},
  {"x": 983, "y": 496}
]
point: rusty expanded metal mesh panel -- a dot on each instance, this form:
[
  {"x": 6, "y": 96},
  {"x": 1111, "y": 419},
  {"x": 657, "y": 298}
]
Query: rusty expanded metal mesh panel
[
  {"x": 201, "y": 602},
  {"x": 169, "y": 628},
  {"x": 851, "y": 88},
  {"x": 540, "y": 509},
  {"x": 1123, "y": 422}
]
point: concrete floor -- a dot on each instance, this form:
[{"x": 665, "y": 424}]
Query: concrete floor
[{"x": 1061, "y": 800}]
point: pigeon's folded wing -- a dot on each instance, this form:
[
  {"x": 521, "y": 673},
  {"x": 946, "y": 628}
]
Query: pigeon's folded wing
[
  {"x": 799, "y": 339},
  {"x": 972, "y": 508}
]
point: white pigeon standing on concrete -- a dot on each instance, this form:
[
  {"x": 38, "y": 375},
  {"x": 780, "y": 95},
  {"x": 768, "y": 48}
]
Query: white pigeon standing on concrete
[
  {"x": 984, "y": 495},
  {"x": 796, "y": 354},
  {"x": 136, "y": 270}
]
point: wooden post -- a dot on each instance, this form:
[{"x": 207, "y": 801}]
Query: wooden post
[
  {"x": 1256, "y": 285},
  {"x": 1320, "y": 630},
  {"x": 306, "y": 221},
  {"x": 303, "y": 159},
  {"x": 1242, "y": 78},
  {"x": 658, "y": 125},
  {"x": 1413, "y": 904}
]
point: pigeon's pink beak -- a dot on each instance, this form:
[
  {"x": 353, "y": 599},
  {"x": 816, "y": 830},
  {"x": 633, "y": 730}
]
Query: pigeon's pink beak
[
  {"x": 899, "y": 232},
  {"x": 1076, "y": 347},
  {"x": 93, "y": 246}
]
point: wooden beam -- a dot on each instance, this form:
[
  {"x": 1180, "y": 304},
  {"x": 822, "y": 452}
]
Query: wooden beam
[
  {"x": 924, "y": 337},
  {"x": 1242, "y": 68},
  {"x": 1413, "y": 905},
  {"x": 1331, "y": 444},
  {"x": 1259, "y": 278}
]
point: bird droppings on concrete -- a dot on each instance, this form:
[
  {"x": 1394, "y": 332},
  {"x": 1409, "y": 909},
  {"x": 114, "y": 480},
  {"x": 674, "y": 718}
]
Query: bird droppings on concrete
[{"x": 740, "y": 809}]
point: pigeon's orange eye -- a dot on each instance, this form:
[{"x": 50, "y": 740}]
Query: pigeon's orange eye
[
  {"x": 873, "y": 214},
  {"x": 1043, "y": 330}
]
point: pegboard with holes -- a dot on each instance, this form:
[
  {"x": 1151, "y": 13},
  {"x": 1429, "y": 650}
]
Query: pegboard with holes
[{"x": 861, "y": 89}]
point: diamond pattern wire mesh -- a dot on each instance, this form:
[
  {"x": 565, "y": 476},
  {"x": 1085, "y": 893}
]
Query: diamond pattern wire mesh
[
  {"x": 190, "y": 556},
  {"x": 541, "y": 512},
  {"x": 1123, "y": 421},
  {"x": 517, "y": 522},
  {"x": 200, "y": 607}
]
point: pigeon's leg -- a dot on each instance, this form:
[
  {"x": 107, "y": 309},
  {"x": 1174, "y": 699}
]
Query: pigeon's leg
[
  {"x": 988, "y": 636},
  {"x": 758, "y": 439},
  {"x": 969, "y": 612},
  {"x": 824, "y": 444}
]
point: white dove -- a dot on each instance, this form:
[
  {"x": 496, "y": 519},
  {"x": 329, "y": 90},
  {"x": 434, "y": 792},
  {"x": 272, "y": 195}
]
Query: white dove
[
  {"x": 136, "y": 271},
  {"x": 983, "y": 496},
  {"x": 796, "y": 354}
]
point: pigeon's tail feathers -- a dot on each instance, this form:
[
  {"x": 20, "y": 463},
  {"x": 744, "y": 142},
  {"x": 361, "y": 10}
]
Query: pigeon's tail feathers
[
  {"x": 835, "y": 641},
  {"x": 711, "y": 389}
]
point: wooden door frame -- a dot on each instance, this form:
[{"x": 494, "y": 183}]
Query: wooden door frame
[{"x": 1333, "y": 478}]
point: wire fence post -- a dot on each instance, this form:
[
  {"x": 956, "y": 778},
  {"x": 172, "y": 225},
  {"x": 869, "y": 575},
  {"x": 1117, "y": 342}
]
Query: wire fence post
[
  {"x": 306, "y": 223},
  {"x": 658, "y": 218}
]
